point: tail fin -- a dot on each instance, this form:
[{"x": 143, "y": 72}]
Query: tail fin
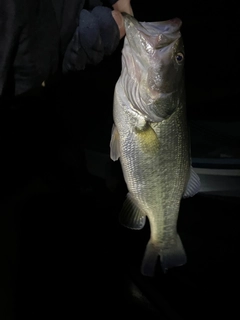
[
  {"x": 172, "y": 256},
  {"x": 150, "y": 259}
]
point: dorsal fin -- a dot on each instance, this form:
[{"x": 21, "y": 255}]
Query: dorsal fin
[{"x": 193, "y": 185}]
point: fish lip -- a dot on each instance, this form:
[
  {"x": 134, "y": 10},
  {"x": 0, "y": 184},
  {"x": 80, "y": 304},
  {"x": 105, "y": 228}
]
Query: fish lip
[
  {"x": 128, "y": 19},
  {"x": 166, "y": 27},
  {"x": 176, "y": 24},
  {"x": 153, "y": 35}
]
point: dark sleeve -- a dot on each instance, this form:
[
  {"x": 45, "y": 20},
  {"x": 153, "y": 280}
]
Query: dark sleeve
[
  {"x": 9, "y": 33},
  {"x": 111, "y": 2},
  {"x": 97, "y": 35},
  {"x": 29, "y": 45},
  {"x": 93, "y": 3}
]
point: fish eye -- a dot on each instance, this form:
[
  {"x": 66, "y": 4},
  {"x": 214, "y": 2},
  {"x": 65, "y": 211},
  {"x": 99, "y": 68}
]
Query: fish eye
[{"x": 179, "y": 57}]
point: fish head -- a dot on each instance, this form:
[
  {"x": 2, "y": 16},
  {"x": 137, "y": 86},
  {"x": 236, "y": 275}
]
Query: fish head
[{"x": 153, "y": 60}]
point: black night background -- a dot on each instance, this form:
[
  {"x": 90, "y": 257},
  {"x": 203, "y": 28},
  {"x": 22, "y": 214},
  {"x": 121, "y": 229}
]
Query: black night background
[{"x": 63, "y": 251}]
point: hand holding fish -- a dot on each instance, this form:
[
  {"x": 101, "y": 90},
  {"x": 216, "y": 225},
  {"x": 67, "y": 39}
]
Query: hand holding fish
[
  {"x": 119, "y": 7},
  {"x": 123, "y": 6}
]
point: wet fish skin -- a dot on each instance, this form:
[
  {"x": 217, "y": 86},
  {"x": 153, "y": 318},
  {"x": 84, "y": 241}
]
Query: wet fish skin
[{"x": 150, "y": 137}]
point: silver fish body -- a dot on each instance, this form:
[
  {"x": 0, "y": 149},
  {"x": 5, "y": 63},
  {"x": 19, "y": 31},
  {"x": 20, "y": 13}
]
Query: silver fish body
[{"x": 150, "y": 137}]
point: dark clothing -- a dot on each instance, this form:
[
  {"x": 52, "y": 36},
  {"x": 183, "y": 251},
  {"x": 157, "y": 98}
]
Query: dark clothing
[
  {"x": 39, "y": 37},
  {"x": 40, "y": 40},
  {"x": 42, "y": 150}
]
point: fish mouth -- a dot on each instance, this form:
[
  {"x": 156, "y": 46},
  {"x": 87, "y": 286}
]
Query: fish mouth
[
  {"x": 167, "y": 26},
  {"x": 158, "y": 34}
]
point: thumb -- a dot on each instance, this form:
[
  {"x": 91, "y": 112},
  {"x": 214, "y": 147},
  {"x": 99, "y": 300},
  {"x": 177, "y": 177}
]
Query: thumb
[{"x": 117, "y": 16}]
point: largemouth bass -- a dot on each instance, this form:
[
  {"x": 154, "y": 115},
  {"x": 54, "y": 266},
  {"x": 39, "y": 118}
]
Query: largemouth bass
[{"x": 150, "y": 137}]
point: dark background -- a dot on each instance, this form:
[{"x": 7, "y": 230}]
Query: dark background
[{"x": 63, "y": 252}]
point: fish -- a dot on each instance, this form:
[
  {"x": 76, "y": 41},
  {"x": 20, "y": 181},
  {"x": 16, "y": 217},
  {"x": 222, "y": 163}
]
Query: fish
[{"x": 151, "y": 139}]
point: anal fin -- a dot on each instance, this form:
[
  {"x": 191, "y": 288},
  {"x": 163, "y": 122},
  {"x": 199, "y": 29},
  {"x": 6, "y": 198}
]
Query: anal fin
[{"x": 131, "y": 216}]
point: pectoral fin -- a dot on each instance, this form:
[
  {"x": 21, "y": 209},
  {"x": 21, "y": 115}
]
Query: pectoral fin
[
  {"x": 131, "y": 216},
  {"x": 114, "y": 144},
  {"x": 147, "y": 138},
  {"x": 193, "y": 185}
]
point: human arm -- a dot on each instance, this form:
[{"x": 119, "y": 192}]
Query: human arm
[{"x": 98, "y": 34}]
